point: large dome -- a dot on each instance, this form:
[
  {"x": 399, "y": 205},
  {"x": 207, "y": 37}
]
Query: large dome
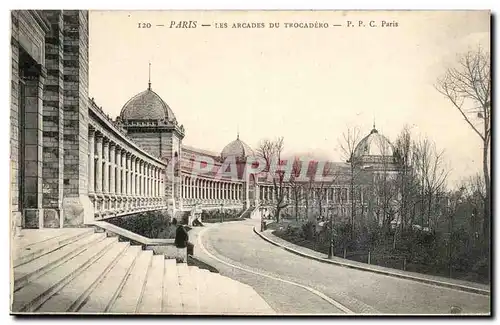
[
  {"x": 374, "y": 144},
  {"x": 237, "y": 148},
  {"x": 147, "y": 105}
]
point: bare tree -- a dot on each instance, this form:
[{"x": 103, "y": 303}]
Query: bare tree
[
  {"x": 271, "y": 152},
  {"x": 296, "y": 187},
  {"x": 432, "y": 175},
  {"x": 468, "y": 88},
  {"x": 348, "y": 144},
  {"x": 474, "y": 190},
  {"x": 403, "y": 157}
]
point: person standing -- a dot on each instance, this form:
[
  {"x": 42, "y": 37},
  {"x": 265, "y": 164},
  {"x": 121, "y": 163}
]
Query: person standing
[{"x": 182, "y": 240}]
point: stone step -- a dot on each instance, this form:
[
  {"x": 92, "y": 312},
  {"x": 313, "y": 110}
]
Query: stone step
[
  {"x": 32, "y": 295},
  {"x": 105, "y": 293},
  {"x": 209, "y": 303},
  {"x": 189, "y": 291},
  {"x": 72, "y": 295},
  {"x": 172, "y": 299},
  {"x": 25, "y": 254},
  {"x": 219, "y": 287},
  {"x": 129, "y": 297},
  {"x": 30, "y": 271},
  {"x": 151, "y": 301},
  {"x": 243, "y": 299}
]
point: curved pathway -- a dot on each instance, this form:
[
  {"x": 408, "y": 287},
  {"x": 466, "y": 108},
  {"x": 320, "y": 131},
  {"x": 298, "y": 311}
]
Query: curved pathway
[{"x": 295, "y": 285}]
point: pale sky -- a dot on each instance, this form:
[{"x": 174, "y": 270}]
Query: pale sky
[{"x": 307, "y": 85}]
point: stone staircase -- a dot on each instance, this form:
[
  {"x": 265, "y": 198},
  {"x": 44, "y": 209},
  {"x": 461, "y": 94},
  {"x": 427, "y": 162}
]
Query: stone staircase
[
  {"x": 81, "y": 271},
  {"x": 248, "y": 212}
]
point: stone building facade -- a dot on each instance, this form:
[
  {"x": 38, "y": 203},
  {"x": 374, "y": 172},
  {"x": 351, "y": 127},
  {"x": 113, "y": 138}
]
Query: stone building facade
[
  {"x": 67, "y": 157},
  {"x": 72, "y": 164}
]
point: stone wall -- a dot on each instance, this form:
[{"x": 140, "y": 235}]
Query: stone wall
[
  {"x": 76, "y": 203},
  {"x": 53, "y": 115},
  {"x": 28, "y": 30},
  {"x": 149, "y": 141}
]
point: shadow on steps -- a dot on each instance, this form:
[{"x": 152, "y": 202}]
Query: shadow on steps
[{"x": 202, "y": 265}]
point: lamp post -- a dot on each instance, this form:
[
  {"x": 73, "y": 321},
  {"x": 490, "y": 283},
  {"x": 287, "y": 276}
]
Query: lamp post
[
  {"x": 261, "y": 210},
  {"x": 331, "y": 248}
]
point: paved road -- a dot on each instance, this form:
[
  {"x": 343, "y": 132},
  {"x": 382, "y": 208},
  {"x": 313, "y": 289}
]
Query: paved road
[{"x": 295, "y": 285}]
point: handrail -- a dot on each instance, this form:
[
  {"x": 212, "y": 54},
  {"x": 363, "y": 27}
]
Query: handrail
[{"x": 132, "y": 235}]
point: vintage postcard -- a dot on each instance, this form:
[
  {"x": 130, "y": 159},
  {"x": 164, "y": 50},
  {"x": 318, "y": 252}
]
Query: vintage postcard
[{"x": 250, "y": 162}]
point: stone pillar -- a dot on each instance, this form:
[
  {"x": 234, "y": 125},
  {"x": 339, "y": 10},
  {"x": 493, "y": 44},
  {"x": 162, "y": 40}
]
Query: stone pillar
[
  {"x": 143, "y": 179},
  {"x": 105, "y": 185},
  {"x": 184, "y": 193},
  {"x": 129, "y": 174},
  {"x": 150, "y": 178},
  {"x": 53, "y": 120},
  {"x": 133, "y": 176},
  {"x": 91, "y": 161},
  {"x": 196, "y": 188},
  {"x": 77, "y": 207},
  {"x": 98, "y": 172},
  {"x": 112, "y": 168},
  {"x": 118, "y": 171},
  {"x": 124, "y": 173},
  {"x": 153, "y": 180},
  {"x": 146, "y": 179}
]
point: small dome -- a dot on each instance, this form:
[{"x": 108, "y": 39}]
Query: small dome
[
  {"x": 147, "y": 105},
  {"x": 374, "y": 144},
  {"x": 237, "y": 148}
]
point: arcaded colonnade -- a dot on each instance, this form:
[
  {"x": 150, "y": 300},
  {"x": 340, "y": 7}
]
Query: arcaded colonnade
[
  {"x": 335, "y": 197},
  {"x": 121, "y": 176},
  {"x": 196, "y": 189}
]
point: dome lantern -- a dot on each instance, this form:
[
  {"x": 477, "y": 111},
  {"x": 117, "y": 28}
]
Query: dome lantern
[{"x": 237, "y": 148}]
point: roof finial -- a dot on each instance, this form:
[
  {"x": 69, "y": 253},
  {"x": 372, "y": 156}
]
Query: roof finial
[
  {"x": 237, "y": 132},
  {"x": 149, "y": 80},
  {"x": 374, "y": 130}
]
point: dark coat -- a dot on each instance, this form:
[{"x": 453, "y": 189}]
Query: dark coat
[{"x": 181, "y": 237}]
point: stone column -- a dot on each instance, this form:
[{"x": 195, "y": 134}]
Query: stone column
[
  {"x": 118, "y": 171},
  {"x": 143, "y": 178},
  {"x": 91, "y": 161},
  {"x": 197, "y": 189},
  {"x": 134, "y": 179},
  {"x": 148, "y": 180},
  {"x": 112, "y": 179},
  {"x": 124, "y": 172},
  {"x": 151, "y": 181},
  {"x": 129, "y": 174},
  {"x": 184, "y": 187},
  {"x": 105, "y": 185},
  {"x": 98, "y": 172}
]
